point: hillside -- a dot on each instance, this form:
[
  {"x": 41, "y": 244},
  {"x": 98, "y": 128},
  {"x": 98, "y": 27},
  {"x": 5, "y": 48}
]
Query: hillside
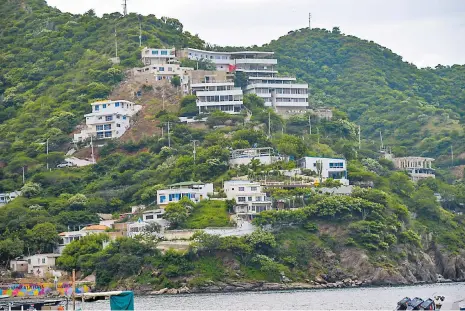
[
  {"x": 419, "y": 111},
  {"x": 54, "y": 64}
]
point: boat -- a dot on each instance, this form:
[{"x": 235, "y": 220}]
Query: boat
[
  {"x": 419, "y": 304},
  {"x": 33, "y": 304}
]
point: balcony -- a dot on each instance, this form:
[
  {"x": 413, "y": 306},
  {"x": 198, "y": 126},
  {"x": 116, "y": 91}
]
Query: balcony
[{"x": 261, "y": 61}]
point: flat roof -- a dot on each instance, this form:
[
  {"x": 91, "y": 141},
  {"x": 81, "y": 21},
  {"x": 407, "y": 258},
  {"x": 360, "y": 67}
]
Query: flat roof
[
  {"x": 325, "y": 158},
  {"x": 414, "y": 158},
  {"x": 187, "y": 183}
]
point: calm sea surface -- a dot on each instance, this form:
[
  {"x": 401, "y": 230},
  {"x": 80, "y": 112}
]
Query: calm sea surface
[{"x": 381, "y": 298}]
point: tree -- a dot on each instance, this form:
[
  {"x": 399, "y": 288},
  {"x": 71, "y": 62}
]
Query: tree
[
  {"x": 176, "y": 214},
  {"x": 77, "y": 202},
  {"x": 30, "y": 189},
  {"x": 42, "y": 238},
  {"x": 74, "y": 254},
  {"x": 10, "y": 248},
  {"x": 176, "y": 81}
]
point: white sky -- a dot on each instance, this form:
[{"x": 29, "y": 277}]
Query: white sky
[{"x": 424, "y": 32}]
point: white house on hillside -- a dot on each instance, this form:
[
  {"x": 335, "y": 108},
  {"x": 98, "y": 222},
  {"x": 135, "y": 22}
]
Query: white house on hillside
[
  {"x": 417, "y": 167},
  {"x": 250, "y": 200},
  {"x": 40, "y": 264},
  {"x": 194, "y": 191},
  {"x": 70, "y": 236},
  {"x": 265, "y": 155},
  {"x": 9, "y": 196},
  {"x": 158, "y": 56},
  {"x": 109, "y": 119},
  {"x": 221, "y": 96},
  {"x": 331, "y": 167}
]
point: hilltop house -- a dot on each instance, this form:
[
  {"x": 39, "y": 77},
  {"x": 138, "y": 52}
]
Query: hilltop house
[
  {"x": 195, "y": 191},
  {"x": 249, "y": 197},
  {"x": 38, "y": 264},
  {"x": 334, "y": 168},
  {"x": 109, "y": 119},
  {"x": 282, "y": 93}
]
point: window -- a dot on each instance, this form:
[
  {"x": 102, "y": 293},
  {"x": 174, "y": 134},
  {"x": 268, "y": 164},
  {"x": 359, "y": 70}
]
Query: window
[
  {"x": 241, "y": 188},
  {"x": 97, "y": 107},
  {"x": 124, "y": 117},
  {"x": 170, "y": 69},
  {"x": 258, "y": 199},
  {"x": 109, "y": 118},
  {"x": 107, "y": 134},
  {"x": 99, "y": 135},
  {"x": 104, "y": 106},
  {"x": 118, "y": 125},
  {"x": 240, "y": 199},
  {"x": 148, "y": 217},
  {"x": 164, "y": 52},
  {"x": 118, "y": 117},
  {"x": 154, "y": 52},
  {"x": 116, "y": 104},
  {"x": 162, "y": 199},
  {"x": 161, "y": 69},
  {"x": 43, "y": 260},
  {"x": 249, "y": 199},
  {"x": 29, "y": 261},
  {"x": 99, "y": 127},
  {"x": 336, "y": 165},
  {"x": 253, "y": 188}
]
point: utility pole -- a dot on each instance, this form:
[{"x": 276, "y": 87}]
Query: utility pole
[
  {"x": 359, "y": 138},
  {"x": 381, "y": 138},
  {"x": 310, "y": 123},
  {"x": 452, "y": 154},
  {"x": 318, "y": 134},
  {"x": 194, "y": 141},
  {"x": 269, "y": 124},
  {"x": 140, "y": 33},
  {"x": 309, "y": 20},
  {"x": 163, "y": 98},
  {"x": 92, "y": 150},
  {"x": 169, "y": 137},
  {"x": 116, "y": 43},
  {"x": 24, "y": 176},
  {"x": 47, "y": 154},
  {"x": 125, "y": 8}
]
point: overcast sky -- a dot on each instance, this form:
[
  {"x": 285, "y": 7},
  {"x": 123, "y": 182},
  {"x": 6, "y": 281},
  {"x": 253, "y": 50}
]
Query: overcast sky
[{"x": 424, "y": 32}]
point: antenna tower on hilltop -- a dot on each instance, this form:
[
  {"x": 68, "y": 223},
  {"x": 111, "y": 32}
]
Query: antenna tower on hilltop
[
  {"x": 125, "y": 7},
  {"x": 309, "y": 20}
]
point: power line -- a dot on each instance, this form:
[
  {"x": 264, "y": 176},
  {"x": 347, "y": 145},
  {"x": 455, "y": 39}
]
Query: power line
[{"x": 169, "y": 136}]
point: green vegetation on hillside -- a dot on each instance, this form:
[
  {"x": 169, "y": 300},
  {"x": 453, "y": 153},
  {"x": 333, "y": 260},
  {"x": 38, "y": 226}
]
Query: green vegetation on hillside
[{"x": 54, "y": 64}]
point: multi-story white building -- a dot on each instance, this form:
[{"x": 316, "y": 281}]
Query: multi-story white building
[
  {"x": 265, "y": 155},
  {"x": 109, "y": 119},
  {"x": 281, "y": 93},
  {"x": 331, "y": 168},
  {"x": 249, "y": 197},
  {"x": 417, "y": 167},
  {"x": 218, "y": 96},
  {"x": 8, "y": 197},
  {"x": 194, "y": 191},
  {"x": 158, "y": 56},
  {"x": 222, "y": 60}
]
